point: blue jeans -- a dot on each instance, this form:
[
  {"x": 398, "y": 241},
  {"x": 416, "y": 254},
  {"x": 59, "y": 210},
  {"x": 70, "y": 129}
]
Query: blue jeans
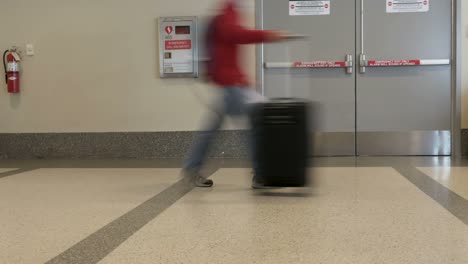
[{"x": 234, "y": 104}]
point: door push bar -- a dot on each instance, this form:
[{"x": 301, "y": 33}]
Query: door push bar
[
  {"x": 347, "y": 64},
  {"x": 398, "y": 63}
]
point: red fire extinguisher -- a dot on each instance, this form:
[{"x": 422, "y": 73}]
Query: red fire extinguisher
[{"x": 11, "y": 65}]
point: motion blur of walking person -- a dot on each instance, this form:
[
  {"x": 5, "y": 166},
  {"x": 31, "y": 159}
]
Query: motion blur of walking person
[{"x": 224, "y": 36}]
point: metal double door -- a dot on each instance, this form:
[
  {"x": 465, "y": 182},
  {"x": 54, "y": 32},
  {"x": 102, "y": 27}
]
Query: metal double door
[{"x": 380, "y": 82}]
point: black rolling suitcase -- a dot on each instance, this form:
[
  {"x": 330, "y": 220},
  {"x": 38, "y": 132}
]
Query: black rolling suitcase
[{"x": 280, "y": 131}]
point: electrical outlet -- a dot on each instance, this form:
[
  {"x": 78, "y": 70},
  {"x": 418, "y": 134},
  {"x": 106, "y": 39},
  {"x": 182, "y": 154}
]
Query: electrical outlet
[{"x": 30, "y": 49}]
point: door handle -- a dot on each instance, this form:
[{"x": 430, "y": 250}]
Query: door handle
[
  {"x": 400, "y": 63},
  {"x": 348, "y": 64}
]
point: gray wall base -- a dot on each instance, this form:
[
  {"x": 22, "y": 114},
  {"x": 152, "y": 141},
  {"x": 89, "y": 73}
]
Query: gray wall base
[
  {"x": 464, "y": 142},
  {"x": 145, "y": 145},
  {"x": 133, "y": 145}
]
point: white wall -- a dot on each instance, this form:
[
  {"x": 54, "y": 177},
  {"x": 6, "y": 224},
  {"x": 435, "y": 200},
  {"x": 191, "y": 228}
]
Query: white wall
[
  {"x": 96, "y": 67},
  {"x": 465, "y": 64}
]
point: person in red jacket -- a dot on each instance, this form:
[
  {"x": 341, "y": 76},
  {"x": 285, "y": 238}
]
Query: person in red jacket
[{"x": 225, "y": 34}]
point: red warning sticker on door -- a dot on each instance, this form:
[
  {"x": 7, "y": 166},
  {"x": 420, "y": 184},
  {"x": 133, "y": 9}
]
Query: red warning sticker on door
[
  {"x": 320, "y": 64},
  {"x": 178, "y": 44},
  {"x": 384, "y": 63},
  {"x": 407, "y": 6}
]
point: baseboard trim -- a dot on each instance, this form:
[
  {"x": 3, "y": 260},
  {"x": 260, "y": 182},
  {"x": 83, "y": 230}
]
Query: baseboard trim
[
  {"x": 464, "y": 142},
  {"x": 132, "y": 145}
]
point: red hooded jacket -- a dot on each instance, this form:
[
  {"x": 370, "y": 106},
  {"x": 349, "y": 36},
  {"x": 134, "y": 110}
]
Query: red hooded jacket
[{"x": 227, "y": 35}]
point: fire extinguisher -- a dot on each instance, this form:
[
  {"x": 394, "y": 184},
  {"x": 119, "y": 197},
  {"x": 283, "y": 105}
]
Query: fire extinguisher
[{"x": 11, "y": 65}]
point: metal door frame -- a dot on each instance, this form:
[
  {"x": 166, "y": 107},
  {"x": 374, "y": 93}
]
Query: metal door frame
[
  {"x": 456, "y": 77},
  {"x": 456, "y": 58}
]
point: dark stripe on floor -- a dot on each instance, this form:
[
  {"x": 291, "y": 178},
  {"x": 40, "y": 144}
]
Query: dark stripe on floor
[
  {"x": 14, "y": 172},
  {"x": 451, "y": 201},
  {"x": 101, "y": 243}
]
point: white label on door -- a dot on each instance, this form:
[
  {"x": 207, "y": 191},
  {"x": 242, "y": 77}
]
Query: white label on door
[
  {"x": 407, "y": 6},
  {"x": 309, "y": 8}
]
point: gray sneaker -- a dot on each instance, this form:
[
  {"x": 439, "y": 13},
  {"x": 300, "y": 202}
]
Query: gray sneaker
[{"x": 194, "y": 177}]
